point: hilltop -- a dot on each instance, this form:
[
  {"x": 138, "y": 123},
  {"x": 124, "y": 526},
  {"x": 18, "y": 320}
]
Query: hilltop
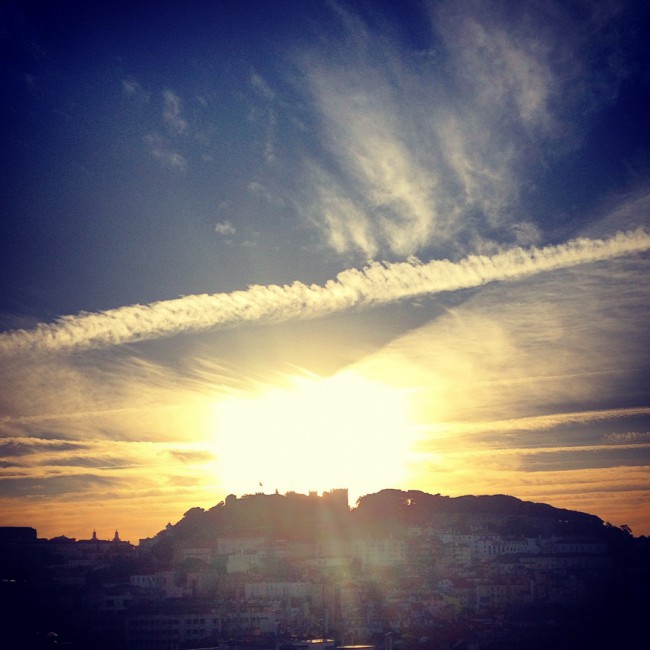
[{"x": 299, "y": 516}]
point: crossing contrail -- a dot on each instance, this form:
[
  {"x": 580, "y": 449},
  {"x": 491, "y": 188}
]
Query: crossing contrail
[{"x": 376, "y": 284}]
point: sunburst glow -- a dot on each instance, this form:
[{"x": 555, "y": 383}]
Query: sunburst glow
[{"x": 341, "y": 431}]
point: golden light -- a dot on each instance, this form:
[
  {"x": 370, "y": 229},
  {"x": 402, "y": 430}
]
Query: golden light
[{"x": 321, "y": 433}]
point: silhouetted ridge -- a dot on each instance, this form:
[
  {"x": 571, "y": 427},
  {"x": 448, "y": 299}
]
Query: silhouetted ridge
[
  {"x": 288, "y": 516},
  {"x": 498, "y": 512},
  {"x": 299, "y": 516}
]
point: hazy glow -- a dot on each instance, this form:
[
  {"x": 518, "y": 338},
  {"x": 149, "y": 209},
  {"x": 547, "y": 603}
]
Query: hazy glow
[{"x": 341, "y": 431}]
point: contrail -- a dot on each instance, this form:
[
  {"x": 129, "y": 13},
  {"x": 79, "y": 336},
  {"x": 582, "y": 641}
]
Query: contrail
[{"x": 376, "y": 284}]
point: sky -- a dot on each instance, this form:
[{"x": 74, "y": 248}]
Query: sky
[{"x": 259, "y": 246}]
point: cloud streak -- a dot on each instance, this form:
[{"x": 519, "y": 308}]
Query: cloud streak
[
  {"x": 172, "y": 113},
  {"x": 160, "y": 149},
  {"x": 424, "y": 149},
  {"x": 375, "y": 284},
  {"x": 542, "y": 422}
]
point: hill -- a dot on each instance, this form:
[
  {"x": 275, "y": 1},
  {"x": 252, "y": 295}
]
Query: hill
[{"x": 296, "y": 516}]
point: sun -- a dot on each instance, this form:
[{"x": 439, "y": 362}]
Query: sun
[{"x": 318, "y": 434}]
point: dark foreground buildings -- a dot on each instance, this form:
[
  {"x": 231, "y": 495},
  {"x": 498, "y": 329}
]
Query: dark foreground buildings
[{"x": 403, "y": 570}]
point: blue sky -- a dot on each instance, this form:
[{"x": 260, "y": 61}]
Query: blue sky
[{"x": 428, "y": 215}]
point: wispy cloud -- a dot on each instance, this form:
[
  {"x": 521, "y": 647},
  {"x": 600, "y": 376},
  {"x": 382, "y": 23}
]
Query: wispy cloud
[
  {"x": 424, "y": 152},
  {"x": 13, "y": 447},
  {"x": 161, "y": 150},
  {"x": 506, "y": 60},
  {"x": 546, "y": 422},
  {"x": 262, "y": 87},
  {"x": 396, "y": 194},
  {"x": 343, "y": 222},
  {"x": 376, "y": 284},
  {"x": 225, "y": 229},
  {"x": 132, "y": 88},
  {"x": 172, "y": 113},
  {"x": 38, "y": 453},
  {"x": 267, "y": 112}
]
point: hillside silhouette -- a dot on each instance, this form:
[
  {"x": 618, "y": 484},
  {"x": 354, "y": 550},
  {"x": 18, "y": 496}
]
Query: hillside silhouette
[
  {"x": 403, "y": 570},
  {"x": 299, "y": 516}
]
